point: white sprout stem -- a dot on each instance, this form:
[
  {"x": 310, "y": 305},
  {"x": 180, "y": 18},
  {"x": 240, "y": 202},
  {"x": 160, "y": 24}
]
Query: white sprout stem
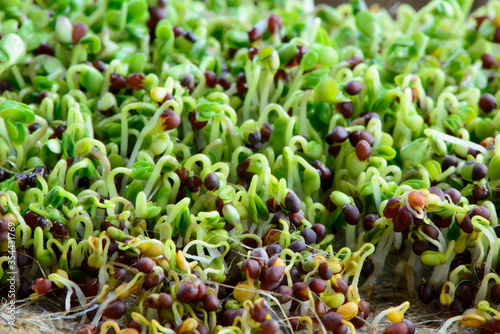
[{"x": 454, "y": 140}]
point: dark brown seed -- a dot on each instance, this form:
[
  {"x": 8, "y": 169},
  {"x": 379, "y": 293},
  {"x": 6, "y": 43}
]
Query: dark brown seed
[
  {"x": 165, "y": 300},
  {"x": 369, "y": 221},
  {"x": 259, "y": 255},
  {"x": 42, "y": 95},
  {"x": 145, "y": 265},
  {"x": 480, "y": 193},
  {"x": 211, "y": 78},
  {"x": 300, "y": 291},
  {"x": 371, "y": 115},
  {"x": 269, "y": 326},
  {"x": 345, "y": 108},
  {"x": 396, "y": 328},
  {"x": 340, "y": 285},
  {"x": 117, "y": 81},
  {"x": 324, "y": 271},
  {"x": 495, "y": 294},
  {"x": 489, "y": 61},
  {"x": 368, "y": 136},
  {"x": 274, "y": 249},
  {"x": 157, "y": 13},
  {"x": 229, "y": 315},
  {"x": 194, "y": 184},
  {"x": 99, "y": 65},
  {"x": 297, "y": 246},
  {"x": 363, "y": 150},
  {"x": 331, "y": 320},
  {"x": 152, "y": 280},
  {"x": 115, "y": 310},
  {"x": 274, "y": 23},
  {"x": 493, "y": 324},
  {"x": 426, "y": 293},
  {"x": 392, "y": 207},
  {"x": 320, "y": 307},
  {"x": 338, "y": 135},
  {"x": 211, "y": 182},
  {"x": 79, "y": 31},
  {"x": 32, "y": 128},
  {"x": 252, "y": 52},
  {"x": 92, "y": 287},
  {"x": 487, "y": 103},
  {"x": 368, "y": 268},
  {"x": 309, "y": 236},
  {"x": 466, "y": 224},
  {"x": 317, "y": 285},
  {"x": 44, "y": 49},
  {"x": 259, "y": 311},
  {"x": 169, "y": 120},
  {"x": 353, "y": 88},
  {"x": 224, "y": 83},
  {"x": 273, "y": 274},
  {"x": 265, "y": 132},
  {"x": 251, "y": 268},
  {"x": 419, "y": 247},
  {"x": 405, "y": 216},
  {"x": 481, "y": 211},
  {"x": 320, "y": 231},
  {"x": 285, "y": 294},
  {"x": 134, "y": 325},
  {"x": 353, "y": 61},
  {"x": 496, "y": 38},
  {"x": 136, "y": 81},
  {"x": 254, "y": 34},
  {"x": 454, "y": 194},
  {"x": 59, "y": 229},
  {"x": 292, "y": 202},
  {"x": 351, "y": 214},
  {"x": 341, "y": 329},
  {"x": 272, "y": 205},
  {"x": 449, "y": 161},
  {"x": 187, "y": 292},
  {"x": 211, "y": 303},
  {"x": 324, "y": 172},
  {"x": 430, "y": 231},
  {"x": 58, "y": 131}
]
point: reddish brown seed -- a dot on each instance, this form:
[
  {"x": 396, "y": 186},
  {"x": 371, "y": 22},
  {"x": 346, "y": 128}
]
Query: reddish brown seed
[
  {"x": 120, "y": 274},
  {"x": 320, "y": 231},
  {"x": 265, "y": 132},
  {"x": 99, "y": 65},
  {"x": 297, "y": 246},
  {"x": 405, "y": 216},
  {"x": 260, "y": 255},
  {"x": 190, "y": 37},
  {"x": 44, "y": 49},
  {"x": 363, "y": 150},
  {"x": 419, "y": 247},
  {"x": 340, "y": 285},
  {"x": 273, "y": 274},
  {"x": 353, "y": 61},
  {"x": 92, "y": 287},
  {"x": 320, "y": 307},
  {"x": 115, "y": 310},
  {"x": 252, "y": 52},
  {"x": 426, "y": 292},
  {"x": 338, "y": 135},
  {"x": 274, "y": 24},
  {"x": 489, "y": 61},
  {"x": 59, "y": 229},
  {"x": 345, "y": 108},
  {"x": 368, "y": 268},
  {"x": 269, "y": 326},
  {"x": 117, "y": 81},
  {"x": 301, "y": 291},
  {"x": 285, "y": 293},
  {"x": 251, "y": 268},
  {"x": 254, "y": 34},
  {"x": 496, "y": 38},
  {"x": 211, "y": 78},
  {"x": 187, "y": 292},
  {"x": 317, "y": 285},
  {"x": 196, "y": 124},
  {"x": 396, "y": 328},
  {"x": 368, "y": 136},
  {"x": 194, "y": 184},
  {"x": 324, "y": 271},
  {"x": 409, "y": 325},
  {"x": 157, "y": 13},
  {"x": 309, "y": 236},
  {"x": 259, "y": 311},
  {"x": 331, "y": 320},
  {"x": 211, "y": 303},
  {"x": 145, "y": 265},
  {"x": 79, "y": 31},
  {"x": 341, "y": 329},
  {"x": 152, "y": 280},
  {"x": 224, "y": 83},
  {"x": 353, "y": 88},
  {"x": 487, "y": 103},
  {"x": 134, "y": 325},
  {"x": 241, "y": 84},
  {"x": 351, "y": 214},
  {"x": 41, "y": 285},
  {"x": 170, "y": 120},
  {"x": 493, "y": 325},
  {"x": 292, "y": 202},
  {"x": 136, "y": 81},
  {"x": 454, "y": 194},
  {"x": 211, "y": 182},
  {"x": 324, "y": 172},
  {"x": 202, "y": 291},
  {"x": 430, "y": 231},
  {"x": 165, "y": 300}
]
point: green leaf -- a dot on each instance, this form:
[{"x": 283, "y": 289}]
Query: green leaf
[
  {"x": 415, "y": 151},
  {"x": 12, "y": 47},
  {"x": 237, "y": 39},
  {"x": 16, "y": 112},
  {"x": 326, "y": 90},
  {"x": 309, "y": 60},
  {"x": 142, "y": 170},
  {"x": 207, "y": 111},
  {"x": 92, "y": 44}
]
